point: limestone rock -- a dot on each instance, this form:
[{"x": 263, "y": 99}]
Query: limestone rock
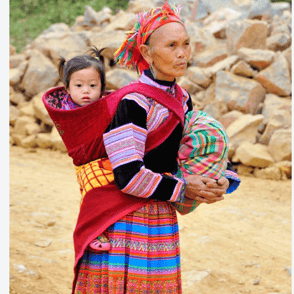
[
  {"x": 239, "y": 93},
  {"x": 288, "y": 55},
  {"x": 16, "y": 74},
  {"x": 225, "y": 64},
  {"x": 216, "y": 109},
  {"x": 246, "y": 33},
  {"x": 210, "y": 56},
  {"x": 13, "y": 114},
  {"x": 93, "y": 18},
  {"x": 16, "y": 60},
  {"x": 272, "y": 173},
  {"x": 121, "y": 21},
  {"x": 280, "y": 119},
  {"x": 118, "y": 78},
  {"x": 12, "y": 50},
  {"x": 20, "y": 125},
  {"x": 230, "y": 117},
  {"x": 198, "y": 76},
  {"x": 136, "y": 6},
  {"x": 257, "y": 58},
  {"x": 191, "y": 87},
  {"x": 276, "y": 77},
  {"x": 278, "y": 42},
  {"x": 203, "y": 98},
  {"x": 40, "y": 110},
  {"x": 243, "y": 129},
  {"x": 28, "y": 142},
  {"x": 255, "y": 155},
  {"x": 273, "y": 103},
  {"x": 243, "y": 69},
  {"x": 65, "y": 44},
  {"x": 44, "y": 140},
  {"x": 280, "y": 145},
  {"x": 27, "y": 110},
  {"x": 245, "y": 170},
  {"x": 33, "y": 129},
  {"x": 41, "y": 74},
  {"x": 16, "y": 98}
]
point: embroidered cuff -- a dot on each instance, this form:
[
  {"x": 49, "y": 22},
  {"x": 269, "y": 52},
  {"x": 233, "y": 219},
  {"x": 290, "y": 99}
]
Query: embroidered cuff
[{"x": 179, "y": 192}]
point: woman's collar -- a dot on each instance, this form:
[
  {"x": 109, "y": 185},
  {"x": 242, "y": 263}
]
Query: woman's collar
[{"x": 149, "y": 74}]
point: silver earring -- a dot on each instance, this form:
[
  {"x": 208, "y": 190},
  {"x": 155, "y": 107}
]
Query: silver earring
[{"x": 152, "y": 71}]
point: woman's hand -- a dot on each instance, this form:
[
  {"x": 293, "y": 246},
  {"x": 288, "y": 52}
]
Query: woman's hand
[{"x": 206, "y": 190}]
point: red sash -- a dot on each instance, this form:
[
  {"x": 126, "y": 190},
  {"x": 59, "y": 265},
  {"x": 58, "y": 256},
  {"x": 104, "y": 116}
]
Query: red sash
[{"x": 81, "y": 131}]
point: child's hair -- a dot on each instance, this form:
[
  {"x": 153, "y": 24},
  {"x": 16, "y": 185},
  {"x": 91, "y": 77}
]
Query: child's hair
[{"x": 95, "y": 59}]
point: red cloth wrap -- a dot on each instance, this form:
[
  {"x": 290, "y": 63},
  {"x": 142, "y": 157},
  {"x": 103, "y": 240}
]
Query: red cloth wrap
[{"x": 81, "y": 131}]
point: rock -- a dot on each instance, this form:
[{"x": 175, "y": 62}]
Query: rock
[
  {"x": 44, "y": 140},
  {"x": 136, "y": 6},
  {"x": 230, "y": 117},
  {"x": 246, "y": 33},
  {"x": 288, "y": 55},
  {"x": 274, "y": 103},
  {"x": 26, "y": 109},
  {"x": 12, "y": 50},
  {"x": 191, "y": 87},
  {"x": 279, "y": 25},
  {"x": 278, "y": 42},
  {"x": 93, "y": 18},
  {"x": 225, "y": 64},
  {"x": 13, "y": 114},
  {"x": 20, "y": 125},
  {"x": 41, "y": 74},
  {"x": 255, "y": 155},
  {"x": 280, "y": 7},
  {"x": 203, "y": 98},
  {"x": 17, "y": 139},
  {"x": 121, "y": 21},
  {"x": 118, "y": 78},
  {"x": 16, "y": 98},
  {"x": 280, "y": 145},
  {"x": 280, "y": 119},
  {"x": 16, "y": 60},
  {"x": 238, "y": 93},
  {"x": 57, "y": 28},
  {"x": 105, "y": 39},
  {"x": 243, "y": 69},
  {"x": 276, "y": 77},
  {"x": 245, "y": 170},
  {"x": 217, "y": 22},
  {"x": 198, "y": 76},
  {"x": 28, "y": 142},
  {"x": 243, "y": 129},
  {"x": 33, "y": 129},
  {"x": 43, "y": 243},
  {"x": 16, "y": 74},
  {"x": 257, "y": 58},
  {"x": 216, "y": 109},
  {"x": 61, "y": 44},
  {"x": 272, "y": 173},
  {"x": 210, "y": 56},
  {"x": 40, "y": 110},
  {"x": 57, "y": 142}
]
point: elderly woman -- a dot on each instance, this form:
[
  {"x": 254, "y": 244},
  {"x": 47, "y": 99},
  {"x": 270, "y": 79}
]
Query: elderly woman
[{"x": 145, "y": 254}]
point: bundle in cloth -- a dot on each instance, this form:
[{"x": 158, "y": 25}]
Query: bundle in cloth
[{"x": 203, "y": 151}]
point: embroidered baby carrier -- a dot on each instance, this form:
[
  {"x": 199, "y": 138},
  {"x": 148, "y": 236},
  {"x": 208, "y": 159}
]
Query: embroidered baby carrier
[{"x": 82, "y": 132}]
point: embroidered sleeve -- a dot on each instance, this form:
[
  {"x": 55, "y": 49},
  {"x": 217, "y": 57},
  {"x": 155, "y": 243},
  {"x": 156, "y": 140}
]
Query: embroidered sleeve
[
  {"x": 124, "y": 142},
  {"x": 233, "y": 178}
]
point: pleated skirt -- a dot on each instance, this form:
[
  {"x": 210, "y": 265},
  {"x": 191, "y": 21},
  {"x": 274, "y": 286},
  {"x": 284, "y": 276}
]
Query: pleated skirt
[{"x": 144, "y": 257}]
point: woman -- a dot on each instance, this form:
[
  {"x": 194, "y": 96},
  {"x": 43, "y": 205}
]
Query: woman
[{"x": 145, "y": 255}]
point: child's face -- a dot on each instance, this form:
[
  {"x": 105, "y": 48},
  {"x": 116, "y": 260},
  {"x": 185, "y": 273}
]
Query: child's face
[{"x": 85, "y": 86}]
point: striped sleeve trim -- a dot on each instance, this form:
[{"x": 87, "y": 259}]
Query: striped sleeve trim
[
  {"x": 179, "y": 191},
  {"x": 141, "y": 100},
  {"x": 143, "y": 184},
  {"x": 125, "y": 144}
]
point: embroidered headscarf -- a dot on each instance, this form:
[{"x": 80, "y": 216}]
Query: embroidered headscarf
[{"x": 128, "y": 54}]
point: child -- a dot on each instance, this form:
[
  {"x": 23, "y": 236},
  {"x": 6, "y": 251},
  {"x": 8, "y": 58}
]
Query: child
[{"x": 84, "y": 80}]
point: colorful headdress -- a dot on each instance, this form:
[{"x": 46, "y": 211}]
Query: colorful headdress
[{"x": 128, "y": 53}]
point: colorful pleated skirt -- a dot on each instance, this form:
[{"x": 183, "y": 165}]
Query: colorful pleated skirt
[{"x": 144, "y": 256}]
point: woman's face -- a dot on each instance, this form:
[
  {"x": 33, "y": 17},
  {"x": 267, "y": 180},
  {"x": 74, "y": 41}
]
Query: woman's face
[{"x": 169, "y": 51}]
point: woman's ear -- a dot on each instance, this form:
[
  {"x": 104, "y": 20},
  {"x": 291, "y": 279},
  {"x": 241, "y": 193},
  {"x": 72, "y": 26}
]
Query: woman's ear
[{"x": 145, "y": 50}]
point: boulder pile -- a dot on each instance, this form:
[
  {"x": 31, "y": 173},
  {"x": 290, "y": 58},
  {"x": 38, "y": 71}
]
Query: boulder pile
[{"x": 239, "y": 72}]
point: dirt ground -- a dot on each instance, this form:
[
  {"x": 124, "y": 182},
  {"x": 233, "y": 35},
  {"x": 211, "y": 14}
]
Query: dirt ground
[{"x": 239, "y": 245}]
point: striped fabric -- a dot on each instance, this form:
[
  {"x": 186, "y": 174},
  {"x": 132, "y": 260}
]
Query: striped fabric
[
  {"x": 144, "y": 255},
  {"x": 203, "y": 151}
]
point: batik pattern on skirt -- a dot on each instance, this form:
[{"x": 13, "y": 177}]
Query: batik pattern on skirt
[{"x": 144, "y": 257}]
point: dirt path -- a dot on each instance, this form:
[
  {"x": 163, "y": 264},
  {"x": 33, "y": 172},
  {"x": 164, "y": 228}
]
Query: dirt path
[{"x": 239, "y": 245}]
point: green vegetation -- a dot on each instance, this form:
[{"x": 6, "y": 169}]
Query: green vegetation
[{"x": 29, "y": 18}]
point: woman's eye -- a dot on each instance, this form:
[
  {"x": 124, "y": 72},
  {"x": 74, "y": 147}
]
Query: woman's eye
[{"x": 171, "y": 44}]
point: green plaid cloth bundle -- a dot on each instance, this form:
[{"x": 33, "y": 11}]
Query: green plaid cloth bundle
[{"x": 203, "y": 151}]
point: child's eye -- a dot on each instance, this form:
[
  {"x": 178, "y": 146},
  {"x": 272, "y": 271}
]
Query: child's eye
[
  {"x": 93, "y": 85},
  {"x": 78, "y": 85}
]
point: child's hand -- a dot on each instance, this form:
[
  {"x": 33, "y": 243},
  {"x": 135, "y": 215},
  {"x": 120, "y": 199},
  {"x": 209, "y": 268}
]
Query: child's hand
[{"x": 205, "y": 190}]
